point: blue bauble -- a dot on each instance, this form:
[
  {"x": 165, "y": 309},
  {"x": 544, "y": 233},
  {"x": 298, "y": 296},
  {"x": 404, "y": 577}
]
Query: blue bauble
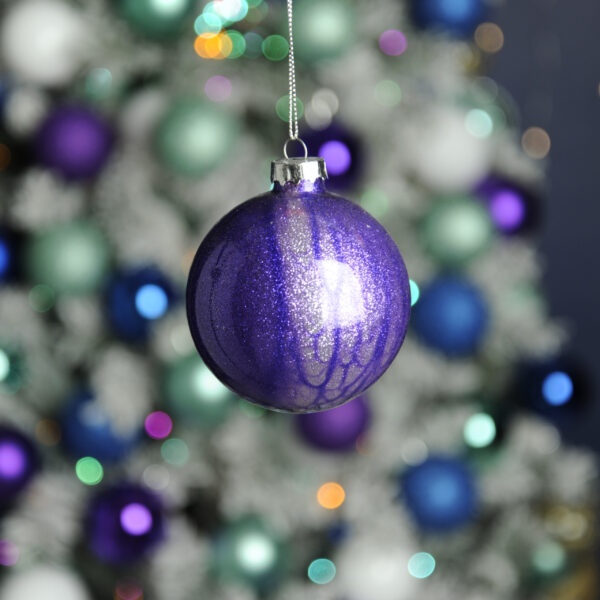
[
  {"x": 124, "y": 523},
  {"x": 298, "y": 299},
  {"x": 440, "y": 493},
  {"x": 19, "y": 460},
  {"x": 88, "y": 431},
  {"x": 9, "y": 254},
  {"x": 136, "y": 298},
  {"x": 457, "y": 17},
  {"x": 451, "y": 316}
]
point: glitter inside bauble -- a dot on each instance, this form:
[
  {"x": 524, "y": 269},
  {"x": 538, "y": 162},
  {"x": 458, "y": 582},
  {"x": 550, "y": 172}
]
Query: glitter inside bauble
[{"x": 298, "y": 300}]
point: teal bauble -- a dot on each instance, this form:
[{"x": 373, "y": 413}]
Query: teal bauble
[
  {"x": 157, "y": 19},
  {"x": 71, "y": 258},
  {"x": 194, "y": 136},
  {"x": 323, "y": 29},
  {"x": 194, "y": 395},
  {"x": 456, "y": 230},
  {"x": 249, "y": 552}
]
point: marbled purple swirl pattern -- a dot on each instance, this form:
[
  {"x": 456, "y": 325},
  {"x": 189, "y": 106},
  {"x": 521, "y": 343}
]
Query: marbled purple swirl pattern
[{"x": 298, "y": 300}]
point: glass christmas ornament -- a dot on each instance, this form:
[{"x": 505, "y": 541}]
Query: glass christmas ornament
[
  {"x": 440, "y": 493},
  {"x": 456, "y": 230},
  {"x": 455, "y": 17},
  {"x": 19, "y": 461},
  {"x": 74, "y": 141},
  {"x": 194, "y": 136},
  {"x": 156, "y": 19},
  {"x": 124, "y": 523},
  {"x": 88, "y": 430},
  {"x": 248, "y": 551},
  {"x": 195, "y": 395},
  {"x": 71, "y": 258},
  {"x": 298, "y": 299},
  {"x": 451, "y": 316},
  {"x": 338, "y": 429}
]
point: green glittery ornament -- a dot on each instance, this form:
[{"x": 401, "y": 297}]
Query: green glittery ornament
[
  {"x": 157, "y": 19},
  {"x": 247, "y": 551},
  {"x": 456, "y": 230},
  {"x": 194, "y": 136},
  {"x": 71, "y": 258},
  {"x": 194, "y": 395},
  {"x": 323, "y": 29}
]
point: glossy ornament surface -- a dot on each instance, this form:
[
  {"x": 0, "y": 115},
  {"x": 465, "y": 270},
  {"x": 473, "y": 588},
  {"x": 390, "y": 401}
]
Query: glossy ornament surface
[
  {"x": 298, "y": 299},
  {"x": 440, "y": 493},
  {"x": 455, "y": 17},
  {"x": 451, "y": 316}
]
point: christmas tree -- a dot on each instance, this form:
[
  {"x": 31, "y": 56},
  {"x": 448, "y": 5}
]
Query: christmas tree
[{"x": 127, "y": 470}]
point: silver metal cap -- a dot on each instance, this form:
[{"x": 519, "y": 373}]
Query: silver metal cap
[{"x": 295, "y": 170}]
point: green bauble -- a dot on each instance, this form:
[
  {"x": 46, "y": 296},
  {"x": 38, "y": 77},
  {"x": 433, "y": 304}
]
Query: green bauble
[
  {"x": 323, "y": 29},
  {"x": 249, "y": 552},
  {"x": 157, "y": 19},
  {"x": 456, "y": 229},
  {"x": 195, "y": 395},
  {"x": 71, "y": 258},
  {"x": 194, "y": 136},
  {"x": 12, "y": 370}
]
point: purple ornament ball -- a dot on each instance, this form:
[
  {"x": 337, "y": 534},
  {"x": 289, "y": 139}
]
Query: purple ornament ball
[
  {"x": 338, "y": 429},
  {"x": 74, "y": 141},
  {"x": 124, "y": 523},
  {"x": 19, "y": 461},
  {"x": 298, "y": 300},
  {"x": 512, "y": 208}
]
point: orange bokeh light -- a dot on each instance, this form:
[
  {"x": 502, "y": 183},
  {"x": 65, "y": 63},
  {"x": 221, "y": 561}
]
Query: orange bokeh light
[
  {"x": 213, "y": 45},
  {"x": 331, "y": 495}
]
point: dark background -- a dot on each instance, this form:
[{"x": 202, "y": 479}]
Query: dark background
[{"x": 550, "y": 63}]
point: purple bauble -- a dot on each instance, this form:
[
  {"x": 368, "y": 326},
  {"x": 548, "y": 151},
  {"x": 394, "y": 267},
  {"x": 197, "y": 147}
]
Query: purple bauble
[
  {"x": 19, "y": 460},
  {"x": 512, "y": 208},
  {"x": 298, "y": 300},
  {"x": 74, "y": 141},
  {"x": 124, "y": 523},
  {"x": 338, "y": 429}
]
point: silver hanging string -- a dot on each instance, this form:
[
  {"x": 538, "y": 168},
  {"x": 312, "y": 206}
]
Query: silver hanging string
[{"x": 293, "y": 98}]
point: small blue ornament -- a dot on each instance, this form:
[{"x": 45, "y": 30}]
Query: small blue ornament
[
  {"x": 8, "y": 260},
  {"x": 451, "y": 316},
  {"x": 456, "y": 17},
  {"x": 440, "y": 493},
  {"x": 136, "y": 298},
  {"x": 88, "y": 431}
]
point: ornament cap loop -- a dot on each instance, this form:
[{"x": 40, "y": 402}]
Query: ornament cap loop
[{"x": 296, "y": 170}]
